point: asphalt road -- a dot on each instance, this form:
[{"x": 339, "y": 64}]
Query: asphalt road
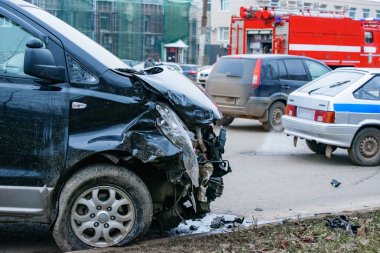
[
  {"x": 268, "y": 173},
  {"x": 286, "y": 181}
]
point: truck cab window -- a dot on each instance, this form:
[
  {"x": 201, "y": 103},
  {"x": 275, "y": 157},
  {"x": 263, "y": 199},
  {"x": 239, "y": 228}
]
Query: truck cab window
[
  {"x": 12, "y": 48},
  {"x": 368, "y": 37}
]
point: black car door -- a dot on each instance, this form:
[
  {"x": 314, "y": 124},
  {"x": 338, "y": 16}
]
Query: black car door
[
  {"x": 33, "y": 112},
  {"x": 292, "y": 74}
]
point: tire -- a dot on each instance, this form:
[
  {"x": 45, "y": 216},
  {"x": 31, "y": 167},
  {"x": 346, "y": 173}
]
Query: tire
[
  {"x": 225, "y": 121},
  {"x": 365, "y": 148},
  {"x": 316, "y": 147},
  {"x": 275, "y": 113},
  {"x": 105, "y": 203}
]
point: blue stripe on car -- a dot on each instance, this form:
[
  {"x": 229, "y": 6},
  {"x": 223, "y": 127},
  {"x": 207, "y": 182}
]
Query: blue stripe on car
[{"x": 359, "y": 108}]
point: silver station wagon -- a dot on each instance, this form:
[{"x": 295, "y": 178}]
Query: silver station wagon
[{"x": 338, "y": 110}]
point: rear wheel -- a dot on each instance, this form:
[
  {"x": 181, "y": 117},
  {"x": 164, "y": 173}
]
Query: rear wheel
[
  {"x": 275, "y": 113},
  {"x": 102, "y": 206},
  {"x": 317, "y": 147},
  {"x": 365, "y": 148},
  {"x": 225, "y": 121}
]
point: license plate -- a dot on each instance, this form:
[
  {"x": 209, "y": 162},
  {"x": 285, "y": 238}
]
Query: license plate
[{"x": 305, "y": 113}]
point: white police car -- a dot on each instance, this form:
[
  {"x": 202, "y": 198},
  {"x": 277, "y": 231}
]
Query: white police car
[{"x": 338, "y": 110}]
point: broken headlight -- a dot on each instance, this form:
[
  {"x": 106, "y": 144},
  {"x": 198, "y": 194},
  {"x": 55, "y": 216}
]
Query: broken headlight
[{"x": 173, "y": 128}]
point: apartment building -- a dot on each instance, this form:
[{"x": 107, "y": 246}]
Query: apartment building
[{"x": 220, "y": 12}]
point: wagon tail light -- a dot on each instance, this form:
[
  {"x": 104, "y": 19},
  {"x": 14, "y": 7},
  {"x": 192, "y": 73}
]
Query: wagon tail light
[
  {"x": 324, "y": 116},
  {"x": 256, "y": 74},
  {"x": 291, "y": 110}
]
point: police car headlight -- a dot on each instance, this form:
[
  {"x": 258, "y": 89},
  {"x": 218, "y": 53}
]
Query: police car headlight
[{"x": 172, "y": 127}]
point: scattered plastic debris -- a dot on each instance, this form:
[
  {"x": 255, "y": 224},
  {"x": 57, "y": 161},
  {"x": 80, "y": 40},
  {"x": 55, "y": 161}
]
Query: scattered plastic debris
[
  {"x": 211, "y": 223},
  {"x": 258, "y": 209},
  {"x": 193, "y": 228},
  {"x": 335, "y": 183},
  {"x": 220, "y": 221},
  {"x": 343, "y": 223}
]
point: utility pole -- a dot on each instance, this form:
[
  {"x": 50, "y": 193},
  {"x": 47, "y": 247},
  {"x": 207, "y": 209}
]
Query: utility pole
[{"x": 202, "y": 38}]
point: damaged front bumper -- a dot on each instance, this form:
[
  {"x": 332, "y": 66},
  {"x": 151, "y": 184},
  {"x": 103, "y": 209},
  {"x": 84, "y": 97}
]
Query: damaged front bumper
[{"x": 192, "y": 160}]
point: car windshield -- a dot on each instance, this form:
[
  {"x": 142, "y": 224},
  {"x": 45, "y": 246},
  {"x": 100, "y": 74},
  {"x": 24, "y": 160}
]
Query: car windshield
[
  {"x": 332, "y": 83},
  {"x": 81, "y": 40}
]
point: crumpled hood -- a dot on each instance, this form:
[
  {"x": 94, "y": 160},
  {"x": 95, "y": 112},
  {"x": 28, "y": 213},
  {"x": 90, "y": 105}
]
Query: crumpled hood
[{"x": 194, "y": 107}]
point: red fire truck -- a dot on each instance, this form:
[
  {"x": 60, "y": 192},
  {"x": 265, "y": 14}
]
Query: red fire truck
[{"x": 332, "y": 38}]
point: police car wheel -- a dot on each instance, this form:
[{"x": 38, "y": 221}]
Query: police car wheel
[
  {"x": 365, "y": 148},
  {"x": 317, "y": 147}
]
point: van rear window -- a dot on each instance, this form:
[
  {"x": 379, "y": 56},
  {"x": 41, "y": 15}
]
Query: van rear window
[{"x": 235, "y": 67}]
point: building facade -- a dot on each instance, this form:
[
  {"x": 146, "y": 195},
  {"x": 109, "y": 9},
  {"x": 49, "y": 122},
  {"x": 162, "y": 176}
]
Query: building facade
[
  {"x": 133, "y": 29},
  {"x": 221, "y": 11}
]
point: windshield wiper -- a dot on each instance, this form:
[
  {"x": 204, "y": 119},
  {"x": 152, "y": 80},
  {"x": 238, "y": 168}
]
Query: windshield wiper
[
  {"x": 330, "y": 86},
  {"x": 339, "y": 83}
]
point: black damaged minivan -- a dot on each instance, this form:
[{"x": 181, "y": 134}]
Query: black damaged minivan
[{"x": 92, "y": 147}]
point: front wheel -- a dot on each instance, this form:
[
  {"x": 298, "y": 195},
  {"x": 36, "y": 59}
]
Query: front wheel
[
  {"x": 365, "y": 148},
  {"x": 102, "y": 206}
]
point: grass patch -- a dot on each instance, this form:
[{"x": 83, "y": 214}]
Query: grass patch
[{"x": 311, "y": 235}]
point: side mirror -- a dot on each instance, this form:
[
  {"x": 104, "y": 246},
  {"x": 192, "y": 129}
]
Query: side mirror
[{"x": 40, "y": 62}]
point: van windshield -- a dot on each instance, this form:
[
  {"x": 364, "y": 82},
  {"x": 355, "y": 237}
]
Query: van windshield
[
  {"x": 332, "y": 83},
  {"x": 81, "y": 40}
]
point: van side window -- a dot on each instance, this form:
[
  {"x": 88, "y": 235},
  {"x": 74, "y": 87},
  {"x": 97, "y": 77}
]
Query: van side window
[
  {"x": 370, "y": 90},
  {"x": 78, "y": 74},
  {"x": 12, "y": 48},
  {"x": 296, "y": 69},
  {"x": 282, "y": 71},
  {"x": 270, "y": 70},
  {"x": 316, "y": 69}
]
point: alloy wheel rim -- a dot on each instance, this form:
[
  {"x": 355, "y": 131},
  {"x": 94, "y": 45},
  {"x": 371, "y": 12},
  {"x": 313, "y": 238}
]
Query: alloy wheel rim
[
  {"x": 102, "y": 216},
  {"x": 369, "y": 147}
]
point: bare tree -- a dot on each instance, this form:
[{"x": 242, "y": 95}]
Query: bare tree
[{"x": 203, "y": 32}]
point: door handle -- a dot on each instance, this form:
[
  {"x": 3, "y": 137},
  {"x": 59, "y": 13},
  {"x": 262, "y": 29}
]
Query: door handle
[
  {"x": 77, "y": 105},
  {"x": 285, "y": 86}
]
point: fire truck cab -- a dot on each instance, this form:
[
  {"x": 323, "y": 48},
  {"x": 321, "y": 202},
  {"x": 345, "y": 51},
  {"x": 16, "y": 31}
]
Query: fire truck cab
[{"x": 333, "y": 38}]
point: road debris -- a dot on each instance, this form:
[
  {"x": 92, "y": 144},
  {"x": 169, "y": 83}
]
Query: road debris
[
  {"x": 343, "y": 223},
  {"x": 335, "y": 183},
  {"x": 211, "y": 223},
  {"x": 220, "y": 221},
  {"x": 193, "y": 228},
  {"x": 258, "y": 209}
]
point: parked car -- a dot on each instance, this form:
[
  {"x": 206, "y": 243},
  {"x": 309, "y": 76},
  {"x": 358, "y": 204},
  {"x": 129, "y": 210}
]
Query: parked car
[
  {"x": 92, "y": 147},
  {"x": 172, "y": 65},
  {"x": 257, "y": 86},
  {"x": 339, "y": 110},
  {"x": 130, "y": 63},
  {"x": 203, "y": 74},
  {"x": 190, "y": 70}
]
